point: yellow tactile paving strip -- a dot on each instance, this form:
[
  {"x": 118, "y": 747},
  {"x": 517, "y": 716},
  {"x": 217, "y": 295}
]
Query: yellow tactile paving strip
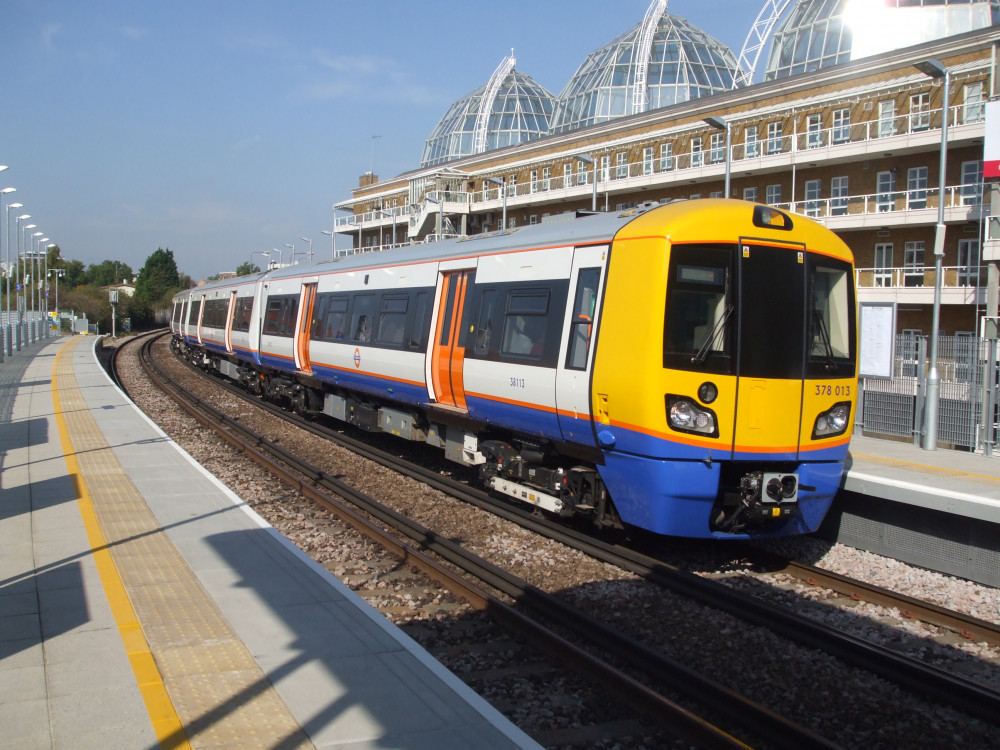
[{"x": 202, "y": 688}]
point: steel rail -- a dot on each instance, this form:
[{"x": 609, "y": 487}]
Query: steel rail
[{"x": 777, "y": 730}]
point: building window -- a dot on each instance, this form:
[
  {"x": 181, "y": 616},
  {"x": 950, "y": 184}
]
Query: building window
[
  {"x": 841, "y": 125},
  {"x": 913, "y": 263},
  {"x": 920, "y": 112},
  {"x": 750, "y": 139},
  {"x": 974, "y": 108},
  {"x": 605, "y": 168},
  {"x": 581, "y": 173},
  {"x": 718, "y": 148},
  {"x": 512, "y": 184},
  {"x": 621, "y": 163},
  {"x": 715, "y": 194},
  {"x": 546, "y": 177},
  {"x": 774, "y": 137},
  {"x": 697, "y": 157},
  {"x": 886, "y": 118},
  {"x": 812, "y": 195},
  {"x": 885, "y": 198},
  {"x": 666, "y": 157},
  {"x": 750, "y": 194},
  {"x": 567, "y": 174},
  {"x": 814, "y": 131},
  {"x": 772, "y": 194},
  {"x": 534, "y": 180},
  {"x": 972, "y": 182},
  {"x": 838, "y": 196},
  {"x": 647, "y": 160},
  {"x": 968, "y": 262},
  {"x": 916, "y": 187},
  {"x": 883, "y": 264}
]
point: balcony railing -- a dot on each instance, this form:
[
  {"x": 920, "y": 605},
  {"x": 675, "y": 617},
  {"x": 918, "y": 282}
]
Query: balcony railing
[{"x": 916, "y": 276}]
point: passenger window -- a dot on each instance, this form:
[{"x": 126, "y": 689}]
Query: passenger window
[
  {"x": 525, "y": 323},
  {"x": 581, "y": 326},
  {"x": 361, "y": 318},
  {"x": 484, "y": 327},
  {"x": 334, "y": 320},
  {"x": 420, "y": 320},
  {"x": 272, "y": 318},
  {"x": 392, "y": 320}
]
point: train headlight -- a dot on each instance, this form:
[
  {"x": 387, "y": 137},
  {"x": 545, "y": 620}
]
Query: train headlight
[
  {"x": 684, "y": 415},
  {"x": 707, "y": 392},
  {"x": 833, "y": 421}
]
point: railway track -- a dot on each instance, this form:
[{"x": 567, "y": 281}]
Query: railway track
[{"x": 940, "y": 687}]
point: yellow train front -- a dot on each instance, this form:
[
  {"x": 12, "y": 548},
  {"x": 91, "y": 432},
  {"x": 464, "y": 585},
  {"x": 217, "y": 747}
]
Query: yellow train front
[{"x": 725, "y": 372}]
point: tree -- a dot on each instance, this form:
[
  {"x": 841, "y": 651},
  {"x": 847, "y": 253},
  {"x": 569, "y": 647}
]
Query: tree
[
  {"x": 76, "y": 274},
  {"x": 108, "y": 272},
  {"x": 157, "y": 277},
  {"x": 245, "y": 269}
]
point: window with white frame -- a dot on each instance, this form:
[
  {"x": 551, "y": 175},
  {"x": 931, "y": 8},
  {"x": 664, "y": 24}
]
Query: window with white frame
[
  {"x": 697, "y": 156},
  {"x": 772, "y": 194},
  {"x": 883, "y": 264},
  {"x": 968, "y": 262},
  {"x": 813, "y": 191},
  {"x": 546, "y": 177},
  {"x": 886, "y": 118},
  {"x": 838, "y": 195},
  {"x": 581, "y": 173},
  {"x": 814, "y": 131},
  {"x": 774, "y": 137},
  {"x": 512, "y": 184},
  {"x": 621, "y": 162},
  {"x": 920, "y": 111},
  {"x": 533, "y": 219},
  {"x": 534, "y": 180},
  {"x": 886, "y": 187},
  {"x": 972, "y": 180},
  {"x": 913, "y": 263},
  {"x": 666, "y": 157},
  {"x": 916, "y": 187},
  {"x": 750, "y": 194},
  {"x": 974, "y": 108},
  {"x": 605, "y": 167},
  {"x": 715, "y": 194},
  {"x": 841, "y": 125},
  {"x": 717, "y": 152},
  {"x": 647, "y": 160},
  {"x": 750, "y": 141},
  {"x": 567, "y": 174}
]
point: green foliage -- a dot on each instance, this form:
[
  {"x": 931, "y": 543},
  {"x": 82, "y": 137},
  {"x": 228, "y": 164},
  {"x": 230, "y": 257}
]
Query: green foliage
[
  {"x": 158, "y": 277},
  {"x": 245, "y": 269},
  {"x": 108, "y": 272}
]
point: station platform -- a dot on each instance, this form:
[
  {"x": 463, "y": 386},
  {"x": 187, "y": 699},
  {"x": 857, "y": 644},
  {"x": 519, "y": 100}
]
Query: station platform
[{"x": 143, "y": 605}]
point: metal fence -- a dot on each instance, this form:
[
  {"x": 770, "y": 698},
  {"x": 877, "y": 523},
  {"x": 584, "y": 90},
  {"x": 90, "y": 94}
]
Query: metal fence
[{"x": 967, "y": 404}]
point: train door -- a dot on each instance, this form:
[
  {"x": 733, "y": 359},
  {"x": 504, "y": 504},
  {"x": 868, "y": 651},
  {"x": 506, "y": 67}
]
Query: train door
[
  {"x": 230, "y": 311},
  {"x": 303, "y": 326},
  {"x": 199, "y": 310},
  {"x": 447, "y": 355},
  {"x": 771, "y": 347},
  {"x": 576, "y": 350}
]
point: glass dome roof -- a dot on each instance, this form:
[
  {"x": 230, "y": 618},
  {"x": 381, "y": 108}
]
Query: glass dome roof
[
  {"x": 818, "y": 33},
  {"x": 509, "y": 109},
  {"x": 681, "y": 63}
]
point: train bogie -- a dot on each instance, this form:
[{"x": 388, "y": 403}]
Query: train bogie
[{"x": 688, "y": 369}]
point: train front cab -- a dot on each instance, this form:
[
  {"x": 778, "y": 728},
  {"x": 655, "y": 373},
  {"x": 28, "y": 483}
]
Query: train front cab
[{"x": 725, "y": 378}]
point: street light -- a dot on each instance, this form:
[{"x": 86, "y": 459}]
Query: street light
[
  {"x": 291, "y": 258},
  {"x": 5, "y": 332},
  {"x": 503, "y": 191},
  {"x": 58, "y": 272},
  {"x": 310, "y": 247},
  {"x": 333, "y": 243},
  {"x": 261, "y": 252},
  {"x": 935, "y": 69},
  {"x": 45, "y": 287},
  {"x": 587, "y": 160},
  {"x": 720, "y": 123},
  {"x": 10, "y": 270},
  {"x": 17, "y": 231},
  {"x": 32, "y": 255}
]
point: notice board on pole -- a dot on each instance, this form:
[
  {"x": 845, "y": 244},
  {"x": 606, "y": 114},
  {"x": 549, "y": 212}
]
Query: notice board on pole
[{"x": 876, "y": 339}]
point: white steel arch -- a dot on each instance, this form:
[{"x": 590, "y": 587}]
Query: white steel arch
[
  {"x": 759, "y": 32},
  {"x": 642, "y": 50},
  {"x": 486, "y": 104}
]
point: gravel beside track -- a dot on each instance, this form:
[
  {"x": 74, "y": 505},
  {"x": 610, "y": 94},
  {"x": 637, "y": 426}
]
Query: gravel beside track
[{"x": 846, "y": 705}]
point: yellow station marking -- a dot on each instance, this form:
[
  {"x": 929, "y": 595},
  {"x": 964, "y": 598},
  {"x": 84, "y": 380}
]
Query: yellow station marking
[{"x": 166, "y": 723}]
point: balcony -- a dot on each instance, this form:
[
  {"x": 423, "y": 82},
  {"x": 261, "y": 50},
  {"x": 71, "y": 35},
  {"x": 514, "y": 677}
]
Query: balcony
[{"x": 914, "y": 285}]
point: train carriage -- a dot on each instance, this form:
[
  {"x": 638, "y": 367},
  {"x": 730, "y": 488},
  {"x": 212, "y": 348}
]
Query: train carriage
[{"x": 689, "y": 368}]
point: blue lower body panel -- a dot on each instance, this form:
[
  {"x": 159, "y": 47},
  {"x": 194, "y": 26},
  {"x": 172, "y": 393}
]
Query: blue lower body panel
[{"x": 676, "y": 497}]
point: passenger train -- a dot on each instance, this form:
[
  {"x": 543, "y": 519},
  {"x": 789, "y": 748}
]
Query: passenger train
[{"x": 687, "y": 368}]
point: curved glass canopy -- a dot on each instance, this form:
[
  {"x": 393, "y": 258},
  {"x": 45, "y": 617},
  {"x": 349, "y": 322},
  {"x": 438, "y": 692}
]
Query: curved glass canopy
[
  {"x": 683, "y": 63},
  {"x": 509, "y": 109},
  {"x": 819, "y": 33}
]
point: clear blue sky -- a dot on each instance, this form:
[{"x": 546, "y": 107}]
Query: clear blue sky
[{"x": 219, "y": 128}]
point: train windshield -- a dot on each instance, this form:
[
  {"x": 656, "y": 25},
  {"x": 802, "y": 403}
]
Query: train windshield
[
  {"x": 699, "y": 325},
  {"x": 831, "y": 318}
]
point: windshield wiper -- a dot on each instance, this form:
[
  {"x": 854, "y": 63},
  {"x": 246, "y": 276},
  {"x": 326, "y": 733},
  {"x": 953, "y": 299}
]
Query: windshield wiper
[
  {"x": 706, "y": 347},
  {"x": 831, "y": 364}
]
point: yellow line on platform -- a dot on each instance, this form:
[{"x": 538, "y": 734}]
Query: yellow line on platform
[{"x": 166, "y": 723}]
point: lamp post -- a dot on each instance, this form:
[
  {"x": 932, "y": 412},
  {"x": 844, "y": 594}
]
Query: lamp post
[
  {"x": 291, "y": 257},
  {"x": 10, "y": 270},
  {"x": 503, "y": 191},
  {"x": 261, "y": 252},
  {"x": 720, "y": 123},
  {"x": 58, "y": 272},
  {"x": 45, "y": 288},
  {"x": 5, "y": 332},
  {"x": 333, "y": 243},
  {"x": 310, "y": 247},
  {"x": 587, "y": 160},
  {"x": 33, "y": 275},
  {"x": 22, "y": 325},
  {"x": 280, "y": 258},
  {"x": 935, "y": 69}
]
